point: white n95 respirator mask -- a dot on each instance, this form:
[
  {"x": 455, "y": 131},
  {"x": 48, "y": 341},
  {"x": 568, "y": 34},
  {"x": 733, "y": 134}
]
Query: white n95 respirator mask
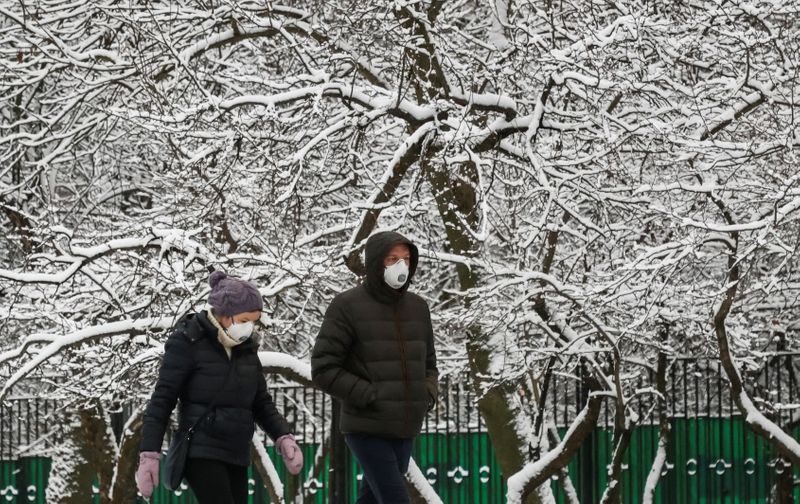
[
  {"x": 240, "y": 332},
  {"x": 396, "y": 275}
]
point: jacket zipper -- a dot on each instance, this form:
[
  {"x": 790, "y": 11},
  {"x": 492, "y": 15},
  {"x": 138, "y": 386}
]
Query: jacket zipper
[{"x": 404, "y": 365}]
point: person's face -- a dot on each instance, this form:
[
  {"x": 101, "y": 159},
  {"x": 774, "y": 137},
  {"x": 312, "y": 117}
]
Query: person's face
[
  {"x": 240, "y": 318},
  {"x": 397, "y": 253}
]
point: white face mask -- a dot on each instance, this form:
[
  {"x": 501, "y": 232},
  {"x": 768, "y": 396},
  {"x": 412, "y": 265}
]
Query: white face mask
[
  {"x": 240, "y": 332},
  {"x": 396, "y": 274}
]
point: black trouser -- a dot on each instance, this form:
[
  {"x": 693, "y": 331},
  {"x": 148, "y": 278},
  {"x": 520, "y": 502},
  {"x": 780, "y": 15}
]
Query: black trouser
[
  {"x": 384, "y": 462},
  {"x": 215, "y": 482}
]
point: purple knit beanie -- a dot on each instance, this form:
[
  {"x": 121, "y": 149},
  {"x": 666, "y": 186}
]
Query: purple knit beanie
[{"x": 230, "y": 295}]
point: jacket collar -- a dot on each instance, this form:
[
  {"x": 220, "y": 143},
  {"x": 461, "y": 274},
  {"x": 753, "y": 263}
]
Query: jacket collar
[{"x": 207, "y": 329}]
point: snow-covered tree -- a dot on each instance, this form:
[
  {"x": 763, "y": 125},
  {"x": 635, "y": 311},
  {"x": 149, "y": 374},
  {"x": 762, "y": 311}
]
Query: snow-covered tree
[{"x": 595, "y": 188}]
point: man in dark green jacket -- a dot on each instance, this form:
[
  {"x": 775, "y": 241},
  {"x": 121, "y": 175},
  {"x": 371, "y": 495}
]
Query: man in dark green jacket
[{"x": 375, "y": 353}]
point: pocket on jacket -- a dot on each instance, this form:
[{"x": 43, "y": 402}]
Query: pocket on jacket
[
  {"x": 234, "y": 424},
  {"x": 360, "y": 368}
]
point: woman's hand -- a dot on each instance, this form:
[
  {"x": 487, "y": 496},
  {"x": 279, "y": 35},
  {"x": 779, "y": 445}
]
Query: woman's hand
[
  {"x": 147, "y": 473},
  {"x": 291, "y": 453}
]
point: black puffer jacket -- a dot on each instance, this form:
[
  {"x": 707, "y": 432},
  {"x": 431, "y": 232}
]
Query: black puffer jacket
[
  {"x": 193, "y": 371},
  {"x": 375, "y": 351}
]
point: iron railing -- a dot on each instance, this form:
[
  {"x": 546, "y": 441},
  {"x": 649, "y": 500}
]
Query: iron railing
[{"x": 711, "y": 456}]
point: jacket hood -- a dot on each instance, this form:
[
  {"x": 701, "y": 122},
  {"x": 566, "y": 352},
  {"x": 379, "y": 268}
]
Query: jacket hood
[{"x": 377, "y": 248}]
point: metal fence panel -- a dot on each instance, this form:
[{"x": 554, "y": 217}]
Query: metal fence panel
[{"x": 712, "y": 456}]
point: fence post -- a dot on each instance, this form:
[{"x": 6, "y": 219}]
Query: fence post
[
  {"x": 587, "y": 458},
  {"x": 339, "y": 474}
]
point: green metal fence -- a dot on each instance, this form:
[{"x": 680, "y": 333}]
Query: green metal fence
[
  {"x": 709, "y": 460},
  {"x": 711, "y": 456},
  {"x": 24, "y": 480},
  {"x": 723, "y": 464}
]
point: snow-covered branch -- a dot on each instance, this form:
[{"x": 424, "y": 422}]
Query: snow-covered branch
[{"x": 49, "y": 345}]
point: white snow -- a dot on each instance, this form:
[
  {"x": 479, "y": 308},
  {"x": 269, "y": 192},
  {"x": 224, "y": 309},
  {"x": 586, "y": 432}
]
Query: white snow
[
  {"x": 332, "y": 89},
  {"x": 55, "y": 278},
  {"x": 755, "y": 417},
  {"x": 269, "y": 466},
  {"x": 531, "y": 470},
  {"x": 55, "y": 343},
  {"x": 284, "y": 361},
  {"x": 278, "y": 287},
  {"x": 420, "y": 482},
  {"x": 150, "y": 147}
]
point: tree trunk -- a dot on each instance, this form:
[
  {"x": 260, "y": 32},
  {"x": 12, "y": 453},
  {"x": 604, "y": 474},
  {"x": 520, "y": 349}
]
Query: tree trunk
[
  {"x": 623, "y": 430},
  {"x": 457, "y": 202},
  {"x": 612, "y": 494},
  {"x": 87, "y": 454},
  {"x": 526, "y": 481},
  {"x": 777, "y": 438},
  {"x": 564, "y": 480},
  {"x": 125, "y": 491},
  {"x": 664, "y": 427}
]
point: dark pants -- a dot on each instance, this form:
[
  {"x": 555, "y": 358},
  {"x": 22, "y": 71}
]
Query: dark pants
[
  {"x": 384, "y": 462},
  {"x": 215, "y": 482}
]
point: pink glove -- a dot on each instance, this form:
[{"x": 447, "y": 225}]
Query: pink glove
[
  {"x": 291, "y": 453},
  {"x": 147, "y": 473}
]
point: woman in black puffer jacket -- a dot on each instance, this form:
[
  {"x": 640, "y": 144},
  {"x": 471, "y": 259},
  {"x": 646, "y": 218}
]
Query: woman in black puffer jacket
[{"x": 199, "y": 355}]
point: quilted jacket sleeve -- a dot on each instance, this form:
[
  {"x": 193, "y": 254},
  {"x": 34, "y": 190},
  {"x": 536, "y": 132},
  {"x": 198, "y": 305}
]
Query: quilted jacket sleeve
[
  {"x": 331, "y": 349},
  {"x": 266, "y": 414},
  {"x": 431, "y": 371},
  {"x": 176, "y": 367}
]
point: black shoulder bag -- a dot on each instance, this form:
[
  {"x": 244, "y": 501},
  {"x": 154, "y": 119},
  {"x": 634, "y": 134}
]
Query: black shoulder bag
[{"x": 178, "y": 452}]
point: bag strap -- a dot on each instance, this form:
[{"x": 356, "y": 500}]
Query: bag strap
[{"x": 213, "y": 403}]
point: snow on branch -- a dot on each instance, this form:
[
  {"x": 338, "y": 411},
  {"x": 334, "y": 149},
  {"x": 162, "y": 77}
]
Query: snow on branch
[
  {"x": 345, "y": 92},
  {"x": 772, "y": 433},
  {"x": 279, "y": 287},
  {"x": 745, "y": 105},
  {"x": 164, "y": 239},
  {"x": 286, "y": 365},
  {"x": 420, "y": 483},
  {"x": 403, "y": 157},
  {"x": 266, "y": 467},
  {"x": 776, "y": 218},
  {"x": 228, "y": 37},
  {"x": 55, "y": 343},
  {"x": 53, "y": 278},
  {"x": 537, "y": 473}
]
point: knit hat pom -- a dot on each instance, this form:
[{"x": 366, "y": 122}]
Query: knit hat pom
[{"x": 215, "y": 278}]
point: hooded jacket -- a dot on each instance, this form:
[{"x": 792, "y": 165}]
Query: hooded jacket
[
  {"x": 193, "y": 371},
  {"x": 375, "y": 350}
]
